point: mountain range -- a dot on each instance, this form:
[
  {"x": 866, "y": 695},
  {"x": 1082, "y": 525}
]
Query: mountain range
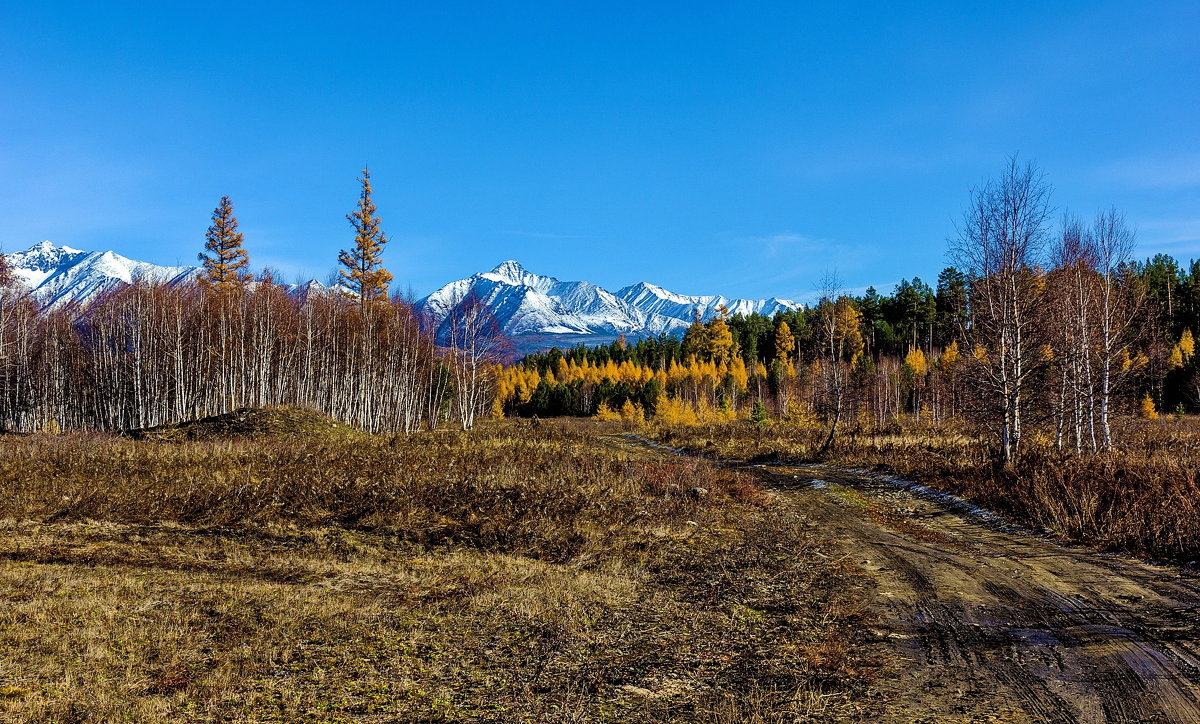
[{"x": 535, "y": 311}]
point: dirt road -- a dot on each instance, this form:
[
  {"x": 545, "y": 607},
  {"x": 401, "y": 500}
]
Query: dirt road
[{"x": 990, "y": 623}]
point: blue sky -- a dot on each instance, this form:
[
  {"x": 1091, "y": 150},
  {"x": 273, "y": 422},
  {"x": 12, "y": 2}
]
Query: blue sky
[{"x": 740, "y": 148}]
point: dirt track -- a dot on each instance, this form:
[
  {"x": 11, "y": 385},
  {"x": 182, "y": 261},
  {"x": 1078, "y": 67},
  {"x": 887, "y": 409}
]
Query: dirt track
[{"x": 989, "y": 623}]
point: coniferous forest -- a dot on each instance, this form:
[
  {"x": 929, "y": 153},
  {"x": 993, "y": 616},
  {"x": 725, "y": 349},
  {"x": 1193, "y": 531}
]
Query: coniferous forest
[{"x": 1046, "y": 322}]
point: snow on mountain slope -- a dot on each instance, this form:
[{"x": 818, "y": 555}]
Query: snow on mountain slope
[
  {"x": 651, "y": 298},
  {"x": 530, "y": 305},
  {"x": 537, "y": 311},
  {"x": 60, "y": 275}
]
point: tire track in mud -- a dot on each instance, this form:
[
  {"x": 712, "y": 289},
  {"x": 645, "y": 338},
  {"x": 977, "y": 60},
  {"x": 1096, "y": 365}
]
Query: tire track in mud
[{"x": 987, "y": 623}]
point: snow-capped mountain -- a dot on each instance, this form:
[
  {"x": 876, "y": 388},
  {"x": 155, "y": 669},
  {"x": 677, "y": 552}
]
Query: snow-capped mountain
[
  {"x": 536, "y": 311},
  {"x": 540, "y": 311},
  {"x": 653, "y": 299},
  {"x": 60, "y": 275}
]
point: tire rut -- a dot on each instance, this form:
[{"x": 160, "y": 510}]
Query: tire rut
[{"x": 1002, "y": 625}]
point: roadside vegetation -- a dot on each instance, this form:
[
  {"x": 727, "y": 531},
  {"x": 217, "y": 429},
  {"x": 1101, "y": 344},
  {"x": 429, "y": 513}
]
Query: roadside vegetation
[
  {"x": 1049, "y": 375},
  {"x": 1143, "y": 498},
  {"x": 300, "y": 571}
]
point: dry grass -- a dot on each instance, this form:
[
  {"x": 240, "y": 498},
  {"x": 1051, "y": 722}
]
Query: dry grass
[
  {"x": 516, "y": 573},
  {"x": 1143, "y": 498}
]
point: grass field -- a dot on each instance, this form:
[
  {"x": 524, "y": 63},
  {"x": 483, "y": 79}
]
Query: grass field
[{"x": 307, "y": 573}]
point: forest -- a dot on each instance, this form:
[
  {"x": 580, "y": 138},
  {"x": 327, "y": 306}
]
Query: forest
[
  {"x": 244, "y": 503},
  {"x": 1042, "y": 322},
  {"x": 150, "y": 354}
]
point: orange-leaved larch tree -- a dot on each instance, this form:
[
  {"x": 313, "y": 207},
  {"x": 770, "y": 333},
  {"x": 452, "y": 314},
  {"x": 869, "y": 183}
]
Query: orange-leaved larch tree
[
  {"x": 225, "y": 259},
  {"x": 224, "y": 271},
  {"x": 364, "y": 276}
]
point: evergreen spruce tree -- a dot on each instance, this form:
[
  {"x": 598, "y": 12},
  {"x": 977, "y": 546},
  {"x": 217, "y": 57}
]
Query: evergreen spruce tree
[
  {"x": 226, "y": 260},
  {"x": 364, "y": 274}
]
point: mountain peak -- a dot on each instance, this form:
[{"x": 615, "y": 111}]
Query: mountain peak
[
  {"x": 510, "y": 268},
  {"x": 47, "y": 247},
  {"x": 511, "y": 272},
  {"x": 541, "y": 311}
]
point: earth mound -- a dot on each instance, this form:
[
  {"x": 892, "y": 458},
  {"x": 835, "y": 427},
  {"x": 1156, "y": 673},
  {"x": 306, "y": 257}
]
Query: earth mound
[{"x": 251, "y": 422}]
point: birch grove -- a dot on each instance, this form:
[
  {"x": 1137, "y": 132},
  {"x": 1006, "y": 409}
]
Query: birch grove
[{"x": 148, "y": 355}]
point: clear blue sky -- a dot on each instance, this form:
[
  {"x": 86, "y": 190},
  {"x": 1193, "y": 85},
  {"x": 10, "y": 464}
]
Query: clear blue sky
[{"x": 741, "y": 148}]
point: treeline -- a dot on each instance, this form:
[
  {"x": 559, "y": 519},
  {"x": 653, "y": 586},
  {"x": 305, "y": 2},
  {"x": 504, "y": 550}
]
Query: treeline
[
  {"x": 1038, "y": 324},
  {"x": 149, "y": 354}
]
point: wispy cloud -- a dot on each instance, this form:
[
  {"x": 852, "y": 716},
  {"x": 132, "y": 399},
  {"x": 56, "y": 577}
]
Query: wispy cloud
[
  {"x": 1155, "y": 172},
  {"x": 542, "y": 235},
  {"x": 790, "y": 243},
  {"x": 1170, "y": 235}
]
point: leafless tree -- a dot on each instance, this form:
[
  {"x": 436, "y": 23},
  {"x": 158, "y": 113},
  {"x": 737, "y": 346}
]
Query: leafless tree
[
  {"x": 841, "y": 341},
  {"x": 1001, "y": 242},
  {"x": 1120, "y": 302},
  {"x": 476, "y": 346}
]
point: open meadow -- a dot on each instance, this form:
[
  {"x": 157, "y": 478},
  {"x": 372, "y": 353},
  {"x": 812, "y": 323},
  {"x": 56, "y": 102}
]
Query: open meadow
[{"x": 276, "y": 566}]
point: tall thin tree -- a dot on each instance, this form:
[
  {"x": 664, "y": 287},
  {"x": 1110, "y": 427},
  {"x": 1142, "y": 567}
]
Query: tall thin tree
[
  {"x": 364, "y": 275},
  {"x": 1000, "y": 244},
  {"x": 226, "y": 260}
]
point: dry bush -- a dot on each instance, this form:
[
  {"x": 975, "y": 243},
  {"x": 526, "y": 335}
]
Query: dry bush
[
  {"x": 514, "y": 573},
  {"x": 1144, "y": 498}
]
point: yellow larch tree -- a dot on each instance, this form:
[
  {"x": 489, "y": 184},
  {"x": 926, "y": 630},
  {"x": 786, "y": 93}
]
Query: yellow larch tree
[
  {"x": 785, "y": 348},
  {"x": 632, "y": 412},
  {"x": 1148, "y": 410},
  {"x": 225, "y": 260},
  {"x": 606, "y": 413},
  {"x": 1175, "y": 359},
  {"x": 364, "y": 276}
]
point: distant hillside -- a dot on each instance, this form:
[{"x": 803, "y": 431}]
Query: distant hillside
[
  {"x": 539, "y": 311},
  {"x": 535, "y": 311},
  {"x": 60, "y": 275}
]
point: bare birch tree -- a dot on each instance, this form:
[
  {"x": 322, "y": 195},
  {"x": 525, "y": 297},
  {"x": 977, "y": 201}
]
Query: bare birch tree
[{"x": 1001, "y": 242}]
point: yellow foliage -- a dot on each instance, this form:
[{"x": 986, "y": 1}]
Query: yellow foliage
[
  {"x": 915, "y": 359},
  {"x": 1148, "y": 410},
  {"x": 785, "y": 343},
  {"x": 949, "y": 357},
  {"x": 721, "y": 347},
  {"x": 706, "y": 414},
  {"x": 632, "y": 412},
  {"x": 1175, "y": 360},
  {"x": 1187, "y": 345},
  {"x": 980, "y": 353},
  {"x": 848, "y": 325},
  {"x": 674, "y": 411},
  {"x": 606, "y": 414},
  {"x": 799, "y": 415},
  {"x": 737, "y": 370}
]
